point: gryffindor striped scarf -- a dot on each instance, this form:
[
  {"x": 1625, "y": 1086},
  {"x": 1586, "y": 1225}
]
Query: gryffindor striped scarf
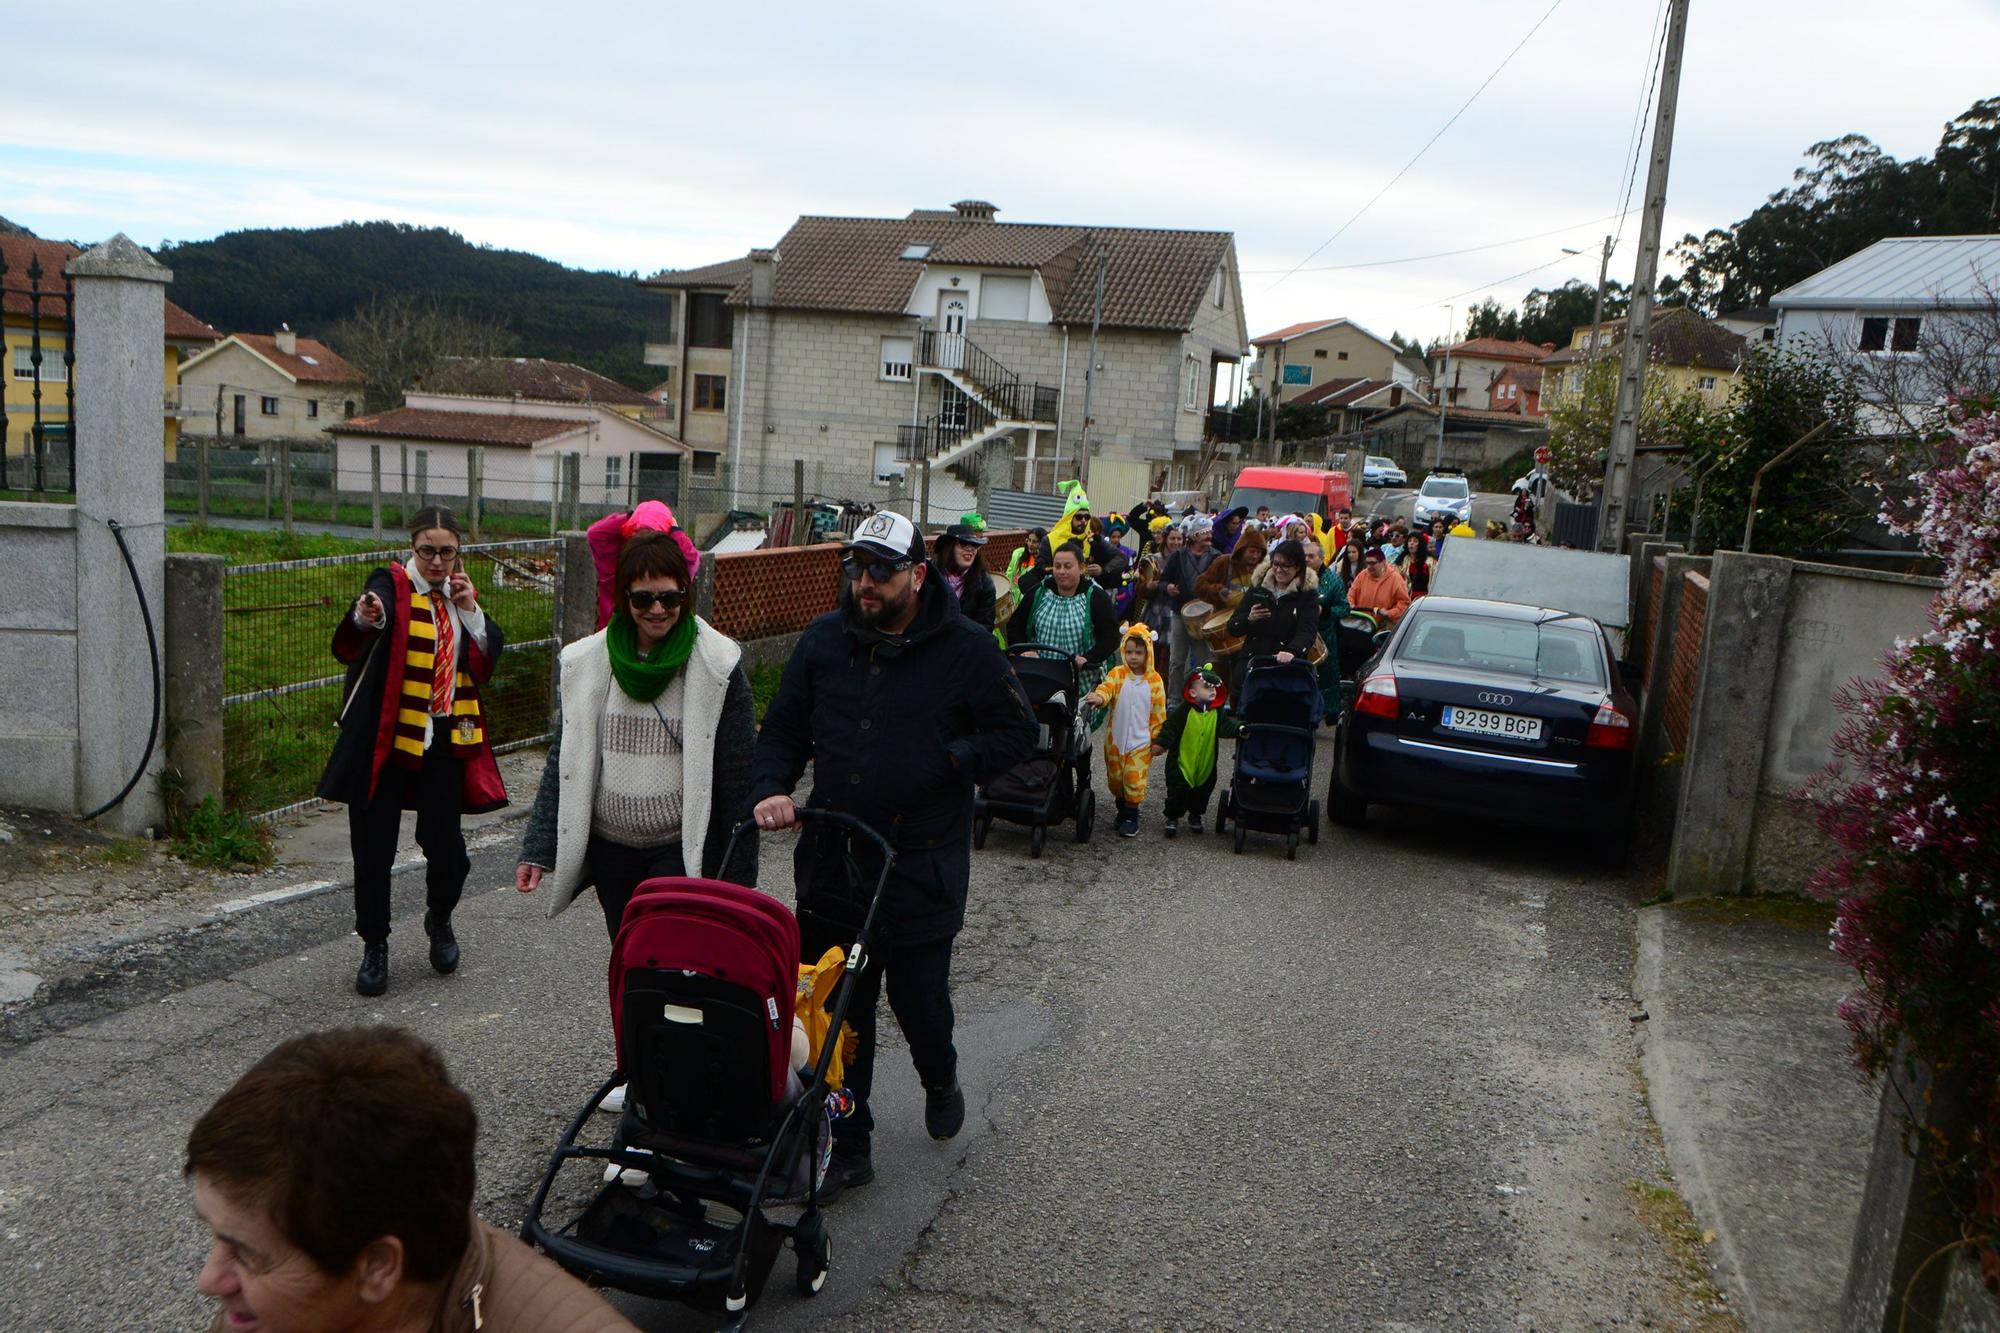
[{"x": 467, "y": 722}]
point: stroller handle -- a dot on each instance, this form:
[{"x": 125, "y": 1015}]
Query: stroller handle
[{"x": 808, "y": 815}]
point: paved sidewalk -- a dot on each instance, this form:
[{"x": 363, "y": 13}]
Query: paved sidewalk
[{"x": 1768, "y": 1125}]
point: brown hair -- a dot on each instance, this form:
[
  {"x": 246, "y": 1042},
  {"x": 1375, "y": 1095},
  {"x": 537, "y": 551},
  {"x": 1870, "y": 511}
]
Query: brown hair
[
  {"x": 346, "y": 1136},
  {"x": 647, "y": 553},
  {"x": 435, "y": 516}
]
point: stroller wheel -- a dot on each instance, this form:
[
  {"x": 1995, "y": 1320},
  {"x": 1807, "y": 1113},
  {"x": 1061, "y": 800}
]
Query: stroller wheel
[
  {"x": 1222, "y": 813},
  {"x": 1238, "y": 846},
  {"x": 1086, "y": 814},
  {"x": 981, "y": 826},
  {"x": 815, "y": 1249},
  {"x": 1292, "y": 846},
  {"x": 1312, "y": 822},
  {"x": 1038, "y": 838}
]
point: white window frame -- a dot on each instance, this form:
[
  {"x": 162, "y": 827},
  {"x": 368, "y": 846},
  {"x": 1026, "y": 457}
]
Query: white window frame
[
  {"x": 897, "y": 356},
  {"x": 1190, "y": 383},
  {"x": 53, "y": 369},
  {"x": 614, "y": 477},
  {"x": 1705, "y": 382},
  {"x": 267, "y": 405}
]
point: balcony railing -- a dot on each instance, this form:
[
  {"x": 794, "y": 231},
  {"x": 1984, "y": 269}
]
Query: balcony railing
[
  {"x": 37, "y": 459},
  {"x": 1012, "y": 398}
]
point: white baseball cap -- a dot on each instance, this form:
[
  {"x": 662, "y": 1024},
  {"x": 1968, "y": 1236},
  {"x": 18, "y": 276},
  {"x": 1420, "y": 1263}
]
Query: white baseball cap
[{"x": 887, "y": 534}]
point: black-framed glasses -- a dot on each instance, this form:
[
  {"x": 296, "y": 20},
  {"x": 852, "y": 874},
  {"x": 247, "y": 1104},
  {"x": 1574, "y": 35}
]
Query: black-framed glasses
[
  {"x": 643, "y": 601},
  {"x": 429, "y": 552},
  {"x": 880, "y": 570}
]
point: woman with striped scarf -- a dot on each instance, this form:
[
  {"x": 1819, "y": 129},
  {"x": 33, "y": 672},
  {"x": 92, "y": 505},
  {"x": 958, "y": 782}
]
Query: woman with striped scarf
[{"x": 413, "y": 735}]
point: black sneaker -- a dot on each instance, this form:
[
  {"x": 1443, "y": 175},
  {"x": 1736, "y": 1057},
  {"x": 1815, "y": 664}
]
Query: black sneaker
[
  {"x": 1194, "y": 825},
  {"x": 373, "y": 978},
  {"x": 944, "y": 1110},
  {"x": 1173, "y": 828},
  {"x": 444, "y": 943},
  {"x": 847, "y": 1169}
]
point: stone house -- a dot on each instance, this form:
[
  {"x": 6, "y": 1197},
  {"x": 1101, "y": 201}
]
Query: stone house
[
  {"x": 274, "y": 387},
  {"x": 1299, "y": 358},
  {"x": 1475, "y": 364},
  {"x": 692, "y": 341},
  {"x": 862, "y": 345}
]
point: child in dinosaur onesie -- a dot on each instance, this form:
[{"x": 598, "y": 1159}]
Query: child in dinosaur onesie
[
  {"x": 1190, "y": 741},
  {"x": 1138, "y": 703}
]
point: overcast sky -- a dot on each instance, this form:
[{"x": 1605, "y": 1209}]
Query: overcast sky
[{"x": 660, "y": 136}]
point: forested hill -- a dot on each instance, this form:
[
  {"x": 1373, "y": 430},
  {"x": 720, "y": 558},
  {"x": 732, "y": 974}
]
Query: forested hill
[{"x": 253, "y": 281}]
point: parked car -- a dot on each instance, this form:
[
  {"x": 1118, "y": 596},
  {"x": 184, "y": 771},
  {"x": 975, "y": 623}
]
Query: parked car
[
  {"x": 1531, "y": 482},
  {"x": 1491, "y": 709},
  {"x": 1382, "y": 472},
  {"x": 1445, "y": 493}
]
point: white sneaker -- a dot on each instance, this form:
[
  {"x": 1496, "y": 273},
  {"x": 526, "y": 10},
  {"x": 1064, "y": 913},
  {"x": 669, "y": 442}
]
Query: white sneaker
[{"x": 614, "y": 1101}]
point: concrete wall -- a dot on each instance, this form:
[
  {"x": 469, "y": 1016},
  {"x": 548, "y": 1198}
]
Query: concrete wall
[{"x": 38, "y": 726}]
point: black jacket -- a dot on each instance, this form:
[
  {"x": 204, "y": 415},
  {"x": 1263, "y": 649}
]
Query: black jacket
[
  {"x": 1291, "y": 628},
  {"x": 978, "y": 602},
  {"x": 1103, "y": 615},
  {"x": 1183, "y": 567},
  {"x": 897, "y": 730}
]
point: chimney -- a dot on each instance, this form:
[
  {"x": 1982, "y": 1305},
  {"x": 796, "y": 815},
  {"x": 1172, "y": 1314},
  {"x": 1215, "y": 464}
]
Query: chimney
[
  {"x": 974, "y": 210},
  {"x": 1548, "y": 347},
  {"x": 288, "y": 342},
  {"x": 762, "y": 276}
]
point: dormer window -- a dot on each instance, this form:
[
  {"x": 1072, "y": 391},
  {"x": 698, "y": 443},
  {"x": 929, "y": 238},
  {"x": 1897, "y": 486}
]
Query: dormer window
[{"x": 919, "y": 251}]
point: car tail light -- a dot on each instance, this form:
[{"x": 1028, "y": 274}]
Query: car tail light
[
  {"x": 1377, "y": 696},
  {"x": 1610, "y": 730}
]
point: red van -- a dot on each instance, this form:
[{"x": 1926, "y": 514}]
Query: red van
[{"x": 1291, "y": 490}]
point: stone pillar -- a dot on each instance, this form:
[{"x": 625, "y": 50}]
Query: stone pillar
[
  {"x": 1653, "y": 706},
  {"x": 1747, "y": 599},
  {"x": 576, "y": 607},
  {"x": 193, "y": 725},
  {"x": 120, "y": 478}
]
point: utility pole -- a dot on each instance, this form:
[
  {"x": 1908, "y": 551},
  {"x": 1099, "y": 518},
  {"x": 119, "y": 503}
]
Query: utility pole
[
  {"x": 1277, "y": 393},
  {"x": 1090, "y": 376},
  {"x": 1639, "y": 318},
  {"x": 1597, "y": 311},
  {"x": 1444, "y": 379}
]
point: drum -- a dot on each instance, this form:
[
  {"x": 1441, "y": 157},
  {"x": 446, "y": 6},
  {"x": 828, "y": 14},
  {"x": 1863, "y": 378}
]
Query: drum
[
  {"x": 1003, "y": 599},
  {"x": 1215, "y": 631},
  {"x": 1193, "y": 612},
  {"x": 1317, "y": 653}
]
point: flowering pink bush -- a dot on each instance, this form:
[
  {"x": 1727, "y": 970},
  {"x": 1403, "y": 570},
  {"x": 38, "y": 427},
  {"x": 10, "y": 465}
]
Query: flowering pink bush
[{"x": 1915, "y": 812}]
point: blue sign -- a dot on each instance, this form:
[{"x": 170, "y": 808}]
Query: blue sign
[{"x": 1298, "y": 374}]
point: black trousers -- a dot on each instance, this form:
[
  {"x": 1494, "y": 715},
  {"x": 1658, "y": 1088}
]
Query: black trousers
[
  {"x": 1183, "y": 799},
  {"x": 372, "y": 829},
  {"x": 918, "y": 980},
  {"x": 618, "y": 870}
]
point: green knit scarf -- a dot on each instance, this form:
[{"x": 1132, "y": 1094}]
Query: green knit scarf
[{"x": 644, "y": 678}]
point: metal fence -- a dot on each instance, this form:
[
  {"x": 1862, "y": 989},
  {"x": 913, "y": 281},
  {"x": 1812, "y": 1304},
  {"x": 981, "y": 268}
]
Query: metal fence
[
  {"x": 282, "y": 686},
  {"x": 35, "y": 447}
]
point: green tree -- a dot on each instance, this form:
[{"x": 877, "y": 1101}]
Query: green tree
[
  {"x": 1551, "y": 315},
  {"x": 1806, "y": 503},
  {"x": 1580, "y": 423},
  {"x": 1489, "y": 319}
]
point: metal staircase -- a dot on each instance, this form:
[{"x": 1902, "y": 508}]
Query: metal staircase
[{"x": 982, "y": 401}]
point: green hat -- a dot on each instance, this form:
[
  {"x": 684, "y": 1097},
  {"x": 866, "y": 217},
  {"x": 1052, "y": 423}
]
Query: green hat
[{"x": 1074, "y": 498}]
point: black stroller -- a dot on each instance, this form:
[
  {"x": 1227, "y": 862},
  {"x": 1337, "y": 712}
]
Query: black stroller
[
  {"x": 704, "y": 975},
  {"x": 1279, "y": 713},
  {"x": 1053, "y": 783}
]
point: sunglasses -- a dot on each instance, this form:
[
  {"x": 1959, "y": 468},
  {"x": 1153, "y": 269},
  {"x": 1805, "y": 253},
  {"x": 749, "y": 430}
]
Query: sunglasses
[
  {"x": 668, "y": 600},
  {"x": 880, "y": 570},
  {"x": 437, "y": 552}
]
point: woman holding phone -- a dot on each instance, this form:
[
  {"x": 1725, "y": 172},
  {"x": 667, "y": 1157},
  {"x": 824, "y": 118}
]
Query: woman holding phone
[{"x": 413, "y": 734}]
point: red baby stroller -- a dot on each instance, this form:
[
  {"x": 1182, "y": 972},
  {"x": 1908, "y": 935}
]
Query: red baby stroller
[{"x": 703, "y": 978}]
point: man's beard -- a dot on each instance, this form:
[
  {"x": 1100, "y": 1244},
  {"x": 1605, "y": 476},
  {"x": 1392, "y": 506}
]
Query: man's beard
[{"x": 888, "y": 613}]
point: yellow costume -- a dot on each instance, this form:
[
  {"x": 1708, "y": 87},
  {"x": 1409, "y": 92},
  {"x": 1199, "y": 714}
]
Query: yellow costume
[
  {"x": 1069, "y": 528},
  {"x": 1138, "y": 706}
]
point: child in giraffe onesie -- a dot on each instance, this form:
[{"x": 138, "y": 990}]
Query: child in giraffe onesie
[{"x": 1138, "y": 702}]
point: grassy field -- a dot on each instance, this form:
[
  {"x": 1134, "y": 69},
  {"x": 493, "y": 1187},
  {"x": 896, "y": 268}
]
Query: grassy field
[{"x": 320, "y": 509}]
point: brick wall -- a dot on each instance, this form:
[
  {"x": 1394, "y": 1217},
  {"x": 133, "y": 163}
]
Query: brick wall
[
  {"x": 763, "y": 594},
  {"x": 1649, "y": 632},
  {"x": 1688, "y": 631}
]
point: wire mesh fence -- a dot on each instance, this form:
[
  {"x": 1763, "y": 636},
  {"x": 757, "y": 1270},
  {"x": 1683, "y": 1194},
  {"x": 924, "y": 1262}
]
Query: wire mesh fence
[{"x": 282, "y": 686}]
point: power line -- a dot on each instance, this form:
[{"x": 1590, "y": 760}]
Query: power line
[
  {"x": 1441, "y": 254},
  {"x": 1659, "y": 50},
  {"x": 1427, "y": 145},
  {"x": 1497, "y": 282}
]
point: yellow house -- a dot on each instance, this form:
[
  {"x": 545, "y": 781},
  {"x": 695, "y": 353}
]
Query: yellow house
[
  {"x": 1693, "y": 354},
  {"x": 34, "y": 316}
]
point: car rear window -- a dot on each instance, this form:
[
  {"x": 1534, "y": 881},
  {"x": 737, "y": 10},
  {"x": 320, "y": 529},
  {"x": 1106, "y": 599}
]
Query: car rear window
[
  {"x": 1552, "y": 651},
  {"x": 1453, "y": 487}
]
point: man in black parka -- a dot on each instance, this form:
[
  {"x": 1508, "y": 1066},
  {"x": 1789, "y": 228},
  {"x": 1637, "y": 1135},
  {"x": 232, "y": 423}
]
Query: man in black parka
[{"x": 901, "y": 705}]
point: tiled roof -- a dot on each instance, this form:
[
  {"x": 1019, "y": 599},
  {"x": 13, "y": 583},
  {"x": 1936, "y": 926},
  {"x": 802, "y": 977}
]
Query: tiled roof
[
  {"x": 424, "y": 423},
  {"x": 532, "y": 377},
  {"x": 1528, "y": 377},
  {"x": 313, "y": 363},
  {"x": 1153, "y": 280},
  {"x": 15, "y": 298},
  {"x": 1500, "y": 349},
  {"x": 1679, "y": 337},
  {"x": 1319, "y": 393},
  {"x": 1291, "y": 331},
  {"x": 725, "y": 274}
]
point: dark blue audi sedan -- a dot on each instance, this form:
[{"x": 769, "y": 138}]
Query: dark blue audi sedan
[{"x": 1492, "y": 709}]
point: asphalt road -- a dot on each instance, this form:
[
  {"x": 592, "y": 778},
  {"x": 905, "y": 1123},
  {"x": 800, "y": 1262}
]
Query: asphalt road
[
  {"x": 1388, "y": 1086},
  {"x": 1401, "y": 502}
]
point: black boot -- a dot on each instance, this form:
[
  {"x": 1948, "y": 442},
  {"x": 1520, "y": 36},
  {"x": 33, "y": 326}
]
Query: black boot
[
  {"x": 444, "y": 944},
  {"x": 373, "y": 978},
  {"x": 850, "y": 1166}
]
